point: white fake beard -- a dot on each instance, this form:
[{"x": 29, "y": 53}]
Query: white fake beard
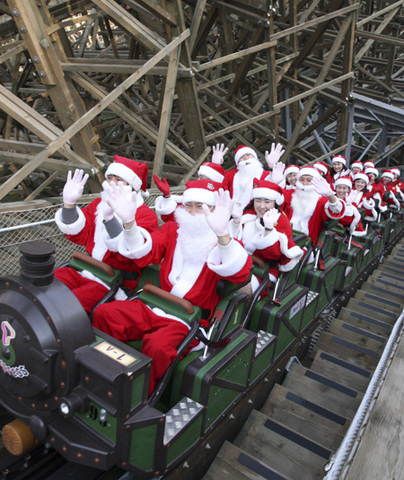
[
  {"x": 243, "y": 180},
  {"x": 303, "y": 202},
  {"x": 195, "y": 238}
]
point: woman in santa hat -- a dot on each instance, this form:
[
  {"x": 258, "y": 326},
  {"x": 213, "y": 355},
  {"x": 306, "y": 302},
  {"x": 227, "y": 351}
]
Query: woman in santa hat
[
  {"x": 338, "y": 167},
  {"x": 324, "y": 171},
  {"x": 265, "y": 231},
  {"x": 397, "y": 182},
  {"x": 352, "y": 218},
  {"x": 98, "y": 229},
  {"x": 363, "y": 197},
  {"x": 356, "y": 167},
  {"x": 376, "y": 188},
  {"x": 290, "y": 175},
  {"x": 387, "y": 178}
]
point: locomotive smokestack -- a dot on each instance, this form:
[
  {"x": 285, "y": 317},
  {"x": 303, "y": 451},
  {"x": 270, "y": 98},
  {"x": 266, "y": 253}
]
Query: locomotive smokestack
[{"x": 37, "y": 262}]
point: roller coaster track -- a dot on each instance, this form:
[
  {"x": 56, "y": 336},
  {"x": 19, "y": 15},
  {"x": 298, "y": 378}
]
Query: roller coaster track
[{"x": 295, "y": 423}]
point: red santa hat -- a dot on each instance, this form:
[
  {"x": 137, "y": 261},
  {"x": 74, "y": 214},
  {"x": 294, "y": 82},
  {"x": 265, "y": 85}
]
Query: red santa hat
[
  {"x": 372, "y": 170},
  {"x": 268, "y": 190},
  {"x": 243, "y": 150},
  {"x": 368, "y": 163},
  {"x": 343, "y": 181},
  {"x": 361, "y": 176},
  {"x": 388, "y": 174},
  {"x": 201, "y": 191},
  {"x": 321, "y": 167},
  {"x": 290, "y": 169},
  {"x": 213, "y": 171},
  {"x": 134, "y": 173},
  {"x": 308, "y": 170},
  {"x": 357, "y": 164},
  {"x": 339, "y": 158},
  {"x": 395, "y": 171}
]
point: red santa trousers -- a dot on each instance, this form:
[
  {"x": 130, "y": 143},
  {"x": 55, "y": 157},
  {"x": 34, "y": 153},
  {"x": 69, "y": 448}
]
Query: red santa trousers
[
  {"x": 88, "y": 292},
  {"x": 133, "y": 320}
]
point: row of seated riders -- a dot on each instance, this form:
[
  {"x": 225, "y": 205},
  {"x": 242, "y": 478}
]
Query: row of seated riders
[{"x": 208, "y": 233}]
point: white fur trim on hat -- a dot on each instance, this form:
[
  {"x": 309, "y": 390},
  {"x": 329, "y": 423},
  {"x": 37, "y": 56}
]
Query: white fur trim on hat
[
  {"x": 340, "y": 159},
  {"x": 372, "y": 170},
  {"x": 361, "y": 176},
  {"x": 321, "y": 167},
  {"x": 211, "y": 173},
  {"x": 125, "y": 173},
  {"x": 200, "y": 195},
  {"x": 395, "y": 171},
  {"x": 291, "y": 169},
  {"x": 243, "y": 151},
  {"x": 268, "y": 194},
  {"x": 358, "y": 165},
  {"x": 343, "y": 181},
  {"x": 308, "y": 171},
  {"x": 388, "y": 175}
]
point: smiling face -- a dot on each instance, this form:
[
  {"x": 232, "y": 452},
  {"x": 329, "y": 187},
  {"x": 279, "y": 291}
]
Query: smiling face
[
  {"x": 342, "y": 191},
  {"x": 338, "y": 166},
  {"x": 292, "y": 178},
  {"x": 306, "y": 179},
  {"x": 356, "y": 170},
  {"x": 262, "y": 205},
  {"x": 245, "y": 157},
  {"x": 359, "y": 184}
]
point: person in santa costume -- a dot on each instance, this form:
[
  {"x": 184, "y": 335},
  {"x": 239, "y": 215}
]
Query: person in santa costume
[
  {"x": 363, "y": 198},
  {"x": 338, "y": 168},
  {"x": 392, "y": 202},
  {"x": 352, "y": 217},
  {"x": 356, "y": 167},
  {"x": 239, "y": 181},
  {"x": 324, "y": 171},
  {"x": 312, "y": 203},
  {"x": 98, "y": 229},
  {"x": 195, "y": 252},
  {"x": 376, "y": 189},
  {"x": 166, "y": 204},
  {"x": 290, "y": 176},
  {"x": 398, "y": 183},
  {"x": 265, "y": 231}
]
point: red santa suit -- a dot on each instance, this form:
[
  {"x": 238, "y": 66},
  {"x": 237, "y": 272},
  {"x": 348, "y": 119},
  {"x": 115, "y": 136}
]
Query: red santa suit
[
  {"x": 310, "y": 220},
  {"x": 89, "y": 230},
  {"x": 192, "y": 277},
  {"x": 352, "y": 220},
  {"x": 391, "y": 201},
  {"x": 376, "y": 190},
  {"x": 276, "y": 246}
]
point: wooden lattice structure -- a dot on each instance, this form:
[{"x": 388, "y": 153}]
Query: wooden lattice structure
[{"x": 162, "y": 81}]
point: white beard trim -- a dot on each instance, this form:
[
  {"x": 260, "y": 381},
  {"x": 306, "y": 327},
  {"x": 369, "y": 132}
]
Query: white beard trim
[
  {"x": 194, "y": 243},
  {"x": 243, "y": 180},
  {"x": 303, "y": 204}
]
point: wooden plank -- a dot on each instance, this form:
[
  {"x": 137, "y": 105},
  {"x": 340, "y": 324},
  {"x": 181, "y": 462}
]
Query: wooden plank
[
  {"x": 88, "y": 116},
  {"x": 351, "y": 333},
  {"x": 365, "y": 322}
]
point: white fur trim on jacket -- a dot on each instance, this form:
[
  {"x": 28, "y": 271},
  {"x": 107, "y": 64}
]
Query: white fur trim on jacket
[
  {"x": 165, "y": 206},
  {"x": 70, "y": 228},
  {"x": 227, "y": 260},
  {"x": 135, "y": 243},
  {"x": 333, "y": 210}
]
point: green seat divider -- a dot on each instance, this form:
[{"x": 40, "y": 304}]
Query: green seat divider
[
  {"x": 151, "y": 273},
  {"x": 81, "y": 265},
  {"x": 154, "y": 301}
]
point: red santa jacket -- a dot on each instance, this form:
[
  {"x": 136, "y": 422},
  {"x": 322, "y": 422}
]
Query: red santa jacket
[
  {"x": 89, "y": 230},
  {"x": 320, "y": 214},
  {"x": 197, "y": 283}
]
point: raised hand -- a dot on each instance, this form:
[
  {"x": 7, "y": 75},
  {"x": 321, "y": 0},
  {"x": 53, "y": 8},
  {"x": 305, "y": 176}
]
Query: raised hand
[
  {"x": 162, "y": 185},
  {"x": 351, "y": 197},
  {"x": 219, "y": 218},
  {"x": 237, "y": 212},
  {"x": 277, "y": 172},
  {"x": 322, "y": 186},
  {"x": 274, "y": 155},
  {"x": 270, "y": 218},
  {"x": 218, "y": 152},
  {"x": 74, "y": 187},
  {"x": 123, "y": 202}
]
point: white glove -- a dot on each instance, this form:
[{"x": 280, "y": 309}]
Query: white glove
[
  {"x": 351, "y": 197},
  {"x": 277, "y": 172},
  {"x": 322, "y": 186},
  {"x": 237, "y": 212},
  {"x": 218, "y": 152},
  {"x": 74, "y": 186},
  {"x": 219, "y": 218},
  {"x": 123, "y": 202},
  {"x": 344, "y": 173},
  {"x": 274, "y": 155},
  {"x": 270, "y": 218}
]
